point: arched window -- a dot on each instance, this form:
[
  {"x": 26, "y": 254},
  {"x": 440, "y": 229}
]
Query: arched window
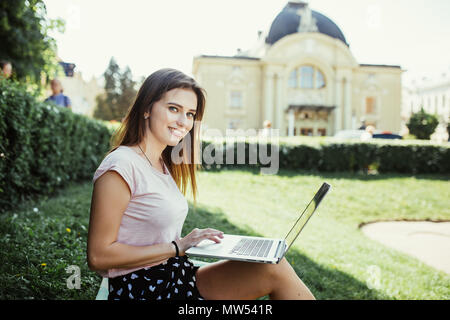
[
  {"x": 306, "y": 77},
  {"x": 293, "y": 79},
  {"x": 320, "y": 82}
]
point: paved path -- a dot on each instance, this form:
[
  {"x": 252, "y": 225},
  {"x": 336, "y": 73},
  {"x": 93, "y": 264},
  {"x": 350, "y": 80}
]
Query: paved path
[{"x": 427, "y": 241}]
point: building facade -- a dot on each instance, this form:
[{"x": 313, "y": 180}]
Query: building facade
[
  {"x": 302, "y": 77},
  {"x": 433, "y": 95}
]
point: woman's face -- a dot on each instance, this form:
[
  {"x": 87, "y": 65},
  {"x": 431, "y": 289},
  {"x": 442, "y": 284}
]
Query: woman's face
[{"x": 172, "y": 117}]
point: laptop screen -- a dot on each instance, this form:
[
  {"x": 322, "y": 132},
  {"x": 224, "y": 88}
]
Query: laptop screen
[{"x": 306, "y": 214}]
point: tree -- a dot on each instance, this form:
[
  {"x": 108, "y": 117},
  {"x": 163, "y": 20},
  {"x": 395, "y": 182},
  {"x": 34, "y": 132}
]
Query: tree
[
  {"x": 25, "y": 40},
  {"x": 422, "y": 124},
  {"x": 119, "y": 93},
  {"x": 127, "y": 90}
]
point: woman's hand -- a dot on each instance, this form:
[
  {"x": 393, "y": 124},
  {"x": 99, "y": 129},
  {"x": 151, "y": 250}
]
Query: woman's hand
[{"x": 196, "y": 236}]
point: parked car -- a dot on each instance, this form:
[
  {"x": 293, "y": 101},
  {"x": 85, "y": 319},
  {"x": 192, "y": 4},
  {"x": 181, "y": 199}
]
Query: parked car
[
  {"x": 353, "y": 134},
  {"x": 364, "y": 135},
  {"x": 386, "y": 135}
]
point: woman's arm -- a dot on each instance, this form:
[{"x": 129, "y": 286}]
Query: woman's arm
[{"x": 110, "y": 198}]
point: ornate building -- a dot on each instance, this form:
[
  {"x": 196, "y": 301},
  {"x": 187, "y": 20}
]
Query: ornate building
[{"x": 302, "y": 77}]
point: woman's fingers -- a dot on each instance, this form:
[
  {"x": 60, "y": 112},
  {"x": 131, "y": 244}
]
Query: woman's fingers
[
  {"x": 198, "y": 235},
  {"x": 215, "y": 239},
  {"x": 214, "y": 235},
  {"x": 216, "y": 232},
  {"x": 211, "y": 236},
  {"x": 202, "y": 233}
]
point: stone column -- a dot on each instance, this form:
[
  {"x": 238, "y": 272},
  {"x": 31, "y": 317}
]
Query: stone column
[
  {"x": 291, "y": 123},
  {"x": 348, "y": 105},
  {"x": 338, "y": 109},
  {"x": 268, "y": 99},
  {"x": 315, "y": 125},
  {"x": 279, "y": 102},
  {"x": 329, "y": 125}
]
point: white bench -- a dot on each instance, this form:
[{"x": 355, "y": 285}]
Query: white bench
[{"x": 103, "y": 291}]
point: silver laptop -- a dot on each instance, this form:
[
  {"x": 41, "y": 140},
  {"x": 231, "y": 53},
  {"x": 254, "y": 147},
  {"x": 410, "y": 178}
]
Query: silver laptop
[{"x": 257, "y": 249}]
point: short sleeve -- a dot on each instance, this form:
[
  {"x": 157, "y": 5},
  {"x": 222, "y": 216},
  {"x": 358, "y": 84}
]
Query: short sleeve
[{"x": 115, "y": 161}]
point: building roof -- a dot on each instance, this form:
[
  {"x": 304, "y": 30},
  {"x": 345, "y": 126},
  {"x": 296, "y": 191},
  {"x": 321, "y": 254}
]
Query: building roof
[
  {"x": 228, "y": 57},
  {"x": 297, "y": 17},
  {"x": 379, "y": 65}
]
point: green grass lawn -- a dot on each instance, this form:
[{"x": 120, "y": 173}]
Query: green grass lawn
[{"x": 332, "y": 255}]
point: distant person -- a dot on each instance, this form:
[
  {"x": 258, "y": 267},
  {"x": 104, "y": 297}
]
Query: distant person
[
  {"x": 58, "y": 97},
  {"x": 267, "y": 128},
  {"x": 5, "y": 69},
  {"x": 363, "y": 125},
  {"x": 368, "y": 133}
]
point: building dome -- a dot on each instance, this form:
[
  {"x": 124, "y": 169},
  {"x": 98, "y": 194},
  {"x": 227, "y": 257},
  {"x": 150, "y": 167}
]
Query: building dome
[{"x": 297, "y": 17}]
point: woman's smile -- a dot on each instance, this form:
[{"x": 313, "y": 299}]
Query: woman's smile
[{"x": 176, "y": 132}]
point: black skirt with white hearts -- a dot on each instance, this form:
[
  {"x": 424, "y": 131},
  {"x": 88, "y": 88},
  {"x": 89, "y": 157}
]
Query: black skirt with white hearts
[{"x": 173, "y": 279}]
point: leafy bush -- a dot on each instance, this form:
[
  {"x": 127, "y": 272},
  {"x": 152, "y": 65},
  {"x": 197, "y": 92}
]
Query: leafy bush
[
  {"x": 422, "y": 124},
  {"x": 448, "y": 130},
  {"x": 43, "y": 146}
]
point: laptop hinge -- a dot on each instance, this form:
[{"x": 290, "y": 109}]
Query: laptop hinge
[{"x": 280, "y": 250}]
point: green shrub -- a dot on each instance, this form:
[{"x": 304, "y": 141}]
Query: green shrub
[
  {"x": 411, "y": 157},
  {"x": 448, "y": 130},
  {"x": 422, "y": 124},
  {"x": 43, "y": 146},
  {"x": 301, "y": 157},
  {"x": 347, "y": 156}
]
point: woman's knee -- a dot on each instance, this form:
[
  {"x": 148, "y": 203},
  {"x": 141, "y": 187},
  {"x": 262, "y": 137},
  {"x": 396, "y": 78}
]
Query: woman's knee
[
  {"x": 283, "y": 271},
  {"x": 284, "y": 264},
  {"x": 276, "y": 271}
]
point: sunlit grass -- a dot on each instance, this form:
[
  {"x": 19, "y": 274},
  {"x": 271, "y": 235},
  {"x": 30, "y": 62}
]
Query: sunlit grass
[
  {"x": 332, "y": 255},
  {"x": 268, "y": 205}
]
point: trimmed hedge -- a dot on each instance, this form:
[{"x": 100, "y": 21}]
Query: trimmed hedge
[
  {"x": 43, "y": 146},
  {"x": 328, "y": 155}
]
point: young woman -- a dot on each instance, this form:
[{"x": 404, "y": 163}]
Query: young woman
[{"x": 138, "y": 207}]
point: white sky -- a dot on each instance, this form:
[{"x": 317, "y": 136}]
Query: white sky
[{"x": 148, "y": 35}]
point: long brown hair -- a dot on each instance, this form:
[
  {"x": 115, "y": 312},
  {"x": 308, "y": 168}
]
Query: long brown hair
[{"x": 132, "y": 129}]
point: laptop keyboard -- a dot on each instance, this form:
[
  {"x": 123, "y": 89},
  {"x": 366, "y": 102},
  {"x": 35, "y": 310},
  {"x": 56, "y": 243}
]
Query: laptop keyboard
[{"x": 252, "y": 247}]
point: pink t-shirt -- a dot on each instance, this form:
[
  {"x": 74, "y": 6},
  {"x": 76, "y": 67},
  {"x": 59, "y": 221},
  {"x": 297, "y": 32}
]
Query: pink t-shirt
[{"x": 157, "y": 209}]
